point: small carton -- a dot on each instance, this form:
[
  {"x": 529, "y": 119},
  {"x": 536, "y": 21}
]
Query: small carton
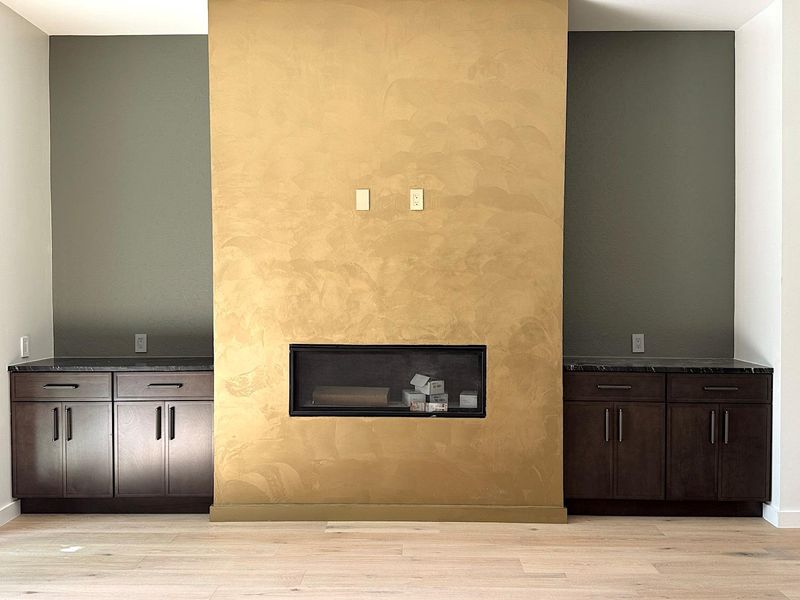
[
  {"x": 418, "y": 406},
  {"x": 410, "y": 396},
  {"x": 468, "y": 399},
  {"x": 438, "y": 398},
  {"x": 426, "y": 385},
  {"x": 436, "y": 407}
]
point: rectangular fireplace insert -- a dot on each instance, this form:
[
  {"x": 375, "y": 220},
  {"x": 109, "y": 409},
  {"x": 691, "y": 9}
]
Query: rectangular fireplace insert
[{"x": 387, "y": 380}]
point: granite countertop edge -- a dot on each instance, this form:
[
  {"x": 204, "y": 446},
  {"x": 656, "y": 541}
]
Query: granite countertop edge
[
  {"x": 710, "y": 366},
  {"x": 113, "y": 365}
]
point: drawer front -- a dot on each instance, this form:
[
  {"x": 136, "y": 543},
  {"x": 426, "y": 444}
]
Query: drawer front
[
  {"x": 614, "y": 386},
  {"x": 165, "y": 385},
  {"x": 719, "y": 388},
  {"x": 45, "y": 386}
]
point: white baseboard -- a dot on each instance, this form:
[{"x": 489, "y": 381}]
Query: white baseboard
[
  {"x": 9, "y": 512},
  {"x": 785, "y": 519}
]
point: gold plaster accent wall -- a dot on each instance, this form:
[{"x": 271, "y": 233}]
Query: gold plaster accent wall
[{"x": 313, "y": 99}]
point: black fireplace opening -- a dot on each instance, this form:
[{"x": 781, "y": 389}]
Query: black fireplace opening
[{"x": 439, "y": 381}]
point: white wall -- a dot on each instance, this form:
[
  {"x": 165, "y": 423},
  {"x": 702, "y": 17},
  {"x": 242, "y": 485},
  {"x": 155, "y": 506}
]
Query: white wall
[
  {"x": 788, "y": 513},
  {"x": 767, "y": 313},
  {"x": 26, "y": 303}
]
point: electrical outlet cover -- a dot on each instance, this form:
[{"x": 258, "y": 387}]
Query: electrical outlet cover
[
  {"x": 140, "y": 342},
  {"x": 637, "y": 342}
]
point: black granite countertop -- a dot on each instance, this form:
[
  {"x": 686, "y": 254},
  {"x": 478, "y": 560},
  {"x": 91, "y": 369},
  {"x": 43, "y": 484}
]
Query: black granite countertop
[
  {"x": 661, "y": 365},
  {"x": 114, "y": 364}
]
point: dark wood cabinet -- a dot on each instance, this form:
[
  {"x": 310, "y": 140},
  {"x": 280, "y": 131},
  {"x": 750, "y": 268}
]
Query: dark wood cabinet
[
  {"x": 38, "y": 450},
  {"x": 693, "y": 452},
  {"x": 639, "y": 447},
  {"x": 704, "y": 438},
  {"x": 745, "y": 434},
  {"x": 88, "y": 471},
  {"x": 62, "y": 449},
  {"x": 139, "y": 440},
  {"x": 164, "y": 448},
  {"x": 588, "y": 452},
  {"x": 190, "y": 457},
  {"x": 140, "y": 436},
  {"x": 614, "y": 450}
]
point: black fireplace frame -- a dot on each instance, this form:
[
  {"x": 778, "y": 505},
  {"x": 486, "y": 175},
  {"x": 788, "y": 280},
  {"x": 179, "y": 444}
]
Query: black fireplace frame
[{"x": 296, "y": 349}]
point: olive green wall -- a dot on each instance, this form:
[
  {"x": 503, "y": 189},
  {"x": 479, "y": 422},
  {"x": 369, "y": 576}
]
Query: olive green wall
[
  {"x": 131, "y": 194},
  {"x": 650, "y": 197}
]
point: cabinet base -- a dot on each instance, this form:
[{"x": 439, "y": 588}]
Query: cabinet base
[
  {"x": 152, "y": 505},
  {"x": 663, "y": 508}
]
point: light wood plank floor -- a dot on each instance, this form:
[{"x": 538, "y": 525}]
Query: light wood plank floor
[{"x": 166, "y": 556}]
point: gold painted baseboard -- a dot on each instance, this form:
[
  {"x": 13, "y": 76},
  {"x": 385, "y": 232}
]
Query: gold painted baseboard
[{"x": 388, "y": 512}]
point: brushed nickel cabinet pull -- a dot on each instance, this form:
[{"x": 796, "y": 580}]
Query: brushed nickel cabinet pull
[
  {"x": 726, "y": 423},
  {"x": 721, "y": 388},
  {"x": 61, "y": 386},
  {"x": 604, "y": 386},
  {"x": 158, "y": 422},
  {"x": 620, "y": 425},
  {"x": 713, "y": 427},
  {"x": 55, "y": 424},
  {"x": 166, "y": 386},
  {"x": 69, "y": 423},
  {"x": 608, "y": 427},
  {"x": 172, "y": 422}
]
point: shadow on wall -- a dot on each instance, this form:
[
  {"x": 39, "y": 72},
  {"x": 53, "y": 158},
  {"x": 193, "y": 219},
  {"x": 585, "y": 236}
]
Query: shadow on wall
[
  {"x": 117, "y": 339},
  {"x": 594, "y": 15}
]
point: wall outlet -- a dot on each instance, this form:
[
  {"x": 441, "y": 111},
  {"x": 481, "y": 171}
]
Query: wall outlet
[
  {"x": 140, "y": 342},
  {"x": 24, "y": 346},
  {"x": 362, "y": 199},
  {"x": 417, "y": 199},
  {"x": 637, "y": 342}
]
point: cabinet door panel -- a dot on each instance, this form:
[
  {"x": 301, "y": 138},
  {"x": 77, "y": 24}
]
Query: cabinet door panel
[
  {"x": 744, "y": 452},
  {"x": 639, "y": 446},
  {"x": 38, "y": 449},
  {"x": 190, "y": 460},
  {"x": 139, "y": 439},
  {"x": 588, "y": 450},
  {"x": 87, "y": 445},
  {"x": 692, "y": 448}
]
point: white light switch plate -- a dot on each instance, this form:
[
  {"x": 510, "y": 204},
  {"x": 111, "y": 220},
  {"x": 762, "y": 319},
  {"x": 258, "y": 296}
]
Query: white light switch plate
[
  {"x": 24, "y": 346},
  {"x": 362, "y": 199},
  {"x": 140, "y": 342},
  {"x": 637, "y": 342},
  {"x": 417, "y": 199}
]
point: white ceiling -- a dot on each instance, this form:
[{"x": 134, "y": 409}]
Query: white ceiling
[
  {"x": 114, "y": 17},
  {"x": 139, "y": 17},
  {"x": 667, "y": 15}
]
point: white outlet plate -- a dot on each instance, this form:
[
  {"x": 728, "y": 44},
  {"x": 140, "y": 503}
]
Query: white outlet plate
[
  {"x": 24, "y": 346},
  {"x": 140, "y": 342},
  {"x": 362, "y": 199},
  {"x": 637, "y": 342},
  {"x": 417, "y": 198}
]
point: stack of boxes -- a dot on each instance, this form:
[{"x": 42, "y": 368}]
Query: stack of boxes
[{"x": 428, "y": 395}]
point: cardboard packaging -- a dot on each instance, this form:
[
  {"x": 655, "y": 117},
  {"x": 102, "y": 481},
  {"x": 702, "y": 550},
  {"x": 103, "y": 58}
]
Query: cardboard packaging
[
  {"x": 436, "y": 407},
  {"x": 438, "y": 398},
  {"x": 410, "y": 396},
  {"x": 426, "y": 385},
  {"x": 468, "y": 399},
  {"x": 418, "y": 406}
]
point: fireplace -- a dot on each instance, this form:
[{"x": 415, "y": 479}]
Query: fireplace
[{"x": 387, "y": 380}]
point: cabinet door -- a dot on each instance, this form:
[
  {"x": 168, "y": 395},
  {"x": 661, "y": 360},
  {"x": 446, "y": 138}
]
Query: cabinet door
[
  {"x": 139, "y": 438},
  {"x": 744, "y": 452},
  {"x": 38, "y": 449},
  {"x": 87, "y": 450},
  {"x": 588, "y": 450},
  {"x": 639, "y": 450},
  {"x": 692, "y": 449},
  {"x": 190, "y": 460}
]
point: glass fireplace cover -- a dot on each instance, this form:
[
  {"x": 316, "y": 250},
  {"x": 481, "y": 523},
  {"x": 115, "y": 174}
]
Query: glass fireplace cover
[{"x": 383, "y": 380}]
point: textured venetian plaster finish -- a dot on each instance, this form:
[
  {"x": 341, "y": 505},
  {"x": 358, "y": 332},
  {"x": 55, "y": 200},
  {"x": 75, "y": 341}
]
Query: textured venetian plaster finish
[{"x": 313, "y": 99}]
